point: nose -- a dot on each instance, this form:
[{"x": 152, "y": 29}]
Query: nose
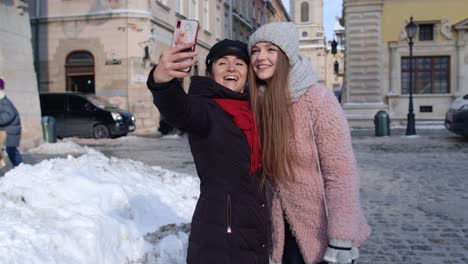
[
  {"x": 260, "y": 55},
  {"x": 231, "y": 66}
]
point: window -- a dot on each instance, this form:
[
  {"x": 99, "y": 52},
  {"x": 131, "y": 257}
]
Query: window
[
  {"x": 80, "y": 58},
  {"x": 431, "y": 75},
  {"x": 304, "y": 34},
  {"x": 425, "y": 108},
  {"x": 304, "y": 12},
  {"x": 79, "y": 72},
  {"x": 76, "y": 104},
  {"x": 426, "y": 32},
  {"x": 54, "y": 102}
]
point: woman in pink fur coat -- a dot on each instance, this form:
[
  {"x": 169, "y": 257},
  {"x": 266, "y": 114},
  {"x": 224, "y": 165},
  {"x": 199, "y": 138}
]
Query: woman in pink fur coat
[{"x": 307, "y": 154}]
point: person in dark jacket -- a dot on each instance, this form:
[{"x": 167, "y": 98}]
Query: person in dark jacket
[
  {"x": 10, "y": 122},
  {"x": 230, "y": 224}
]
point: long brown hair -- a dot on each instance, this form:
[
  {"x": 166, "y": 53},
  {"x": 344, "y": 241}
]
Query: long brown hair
[{"x": 270, "y": 105}]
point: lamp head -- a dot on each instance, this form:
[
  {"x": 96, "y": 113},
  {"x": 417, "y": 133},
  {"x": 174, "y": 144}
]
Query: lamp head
[
  {"x": 411, "y": 29},
  {"x": 334, "y": 44}
]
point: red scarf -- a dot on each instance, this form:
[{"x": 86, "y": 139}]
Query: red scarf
[{"x": 242, "y": 116}]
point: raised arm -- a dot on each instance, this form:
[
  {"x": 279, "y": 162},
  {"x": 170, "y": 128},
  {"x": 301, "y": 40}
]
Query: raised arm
[{"x": 180, "y": 110}]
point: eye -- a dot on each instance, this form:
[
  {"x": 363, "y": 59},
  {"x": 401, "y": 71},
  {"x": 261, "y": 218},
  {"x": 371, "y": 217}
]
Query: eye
[{"x": 254, "y": 50}]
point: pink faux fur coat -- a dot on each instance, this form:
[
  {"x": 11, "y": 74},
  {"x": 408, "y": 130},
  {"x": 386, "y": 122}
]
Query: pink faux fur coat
[{"x": 302, "y": 201}]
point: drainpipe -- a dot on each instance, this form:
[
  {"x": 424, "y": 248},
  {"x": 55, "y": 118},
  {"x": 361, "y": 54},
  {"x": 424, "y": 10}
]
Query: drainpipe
[
  {"x": 230, "y": 20},
  {"x": 36, "y": 43},
  {"x": 461, "y": 76}
]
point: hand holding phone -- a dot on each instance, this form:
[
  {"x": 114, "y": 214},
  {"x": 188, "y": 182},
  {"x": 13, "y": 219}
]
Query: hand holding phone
[
  {"x": 171, "y": 63},
  {"x": 186, "y": 31}
]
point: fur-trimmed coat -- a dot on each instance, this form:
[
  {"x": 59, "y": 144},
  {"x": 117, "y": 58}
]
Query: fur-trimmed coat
[{"x": 302, "y": 202}]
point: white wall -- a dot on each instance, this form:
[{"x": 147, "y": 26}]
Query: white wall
[{"x": 17, "y": 69}]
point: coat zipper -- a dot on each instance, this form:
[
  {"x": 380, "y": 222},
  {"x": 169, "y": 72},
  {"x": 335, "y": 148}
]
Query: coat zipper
[{"x": 228, "y": 216}]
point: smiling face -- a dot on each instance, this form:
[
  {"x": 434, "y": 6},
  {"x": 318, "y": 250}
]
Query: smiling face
[
  {"x": 231, "y": 72},
  {"x": 264, "y": 59}
]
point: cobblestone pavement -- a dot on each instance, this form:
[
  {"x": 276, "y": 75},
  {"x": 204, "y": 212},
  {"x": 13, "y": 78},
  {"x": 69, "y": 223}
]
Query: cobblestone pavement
[
  {"x": 415, "y": 194},
  {"x": 414, "y": 190}
]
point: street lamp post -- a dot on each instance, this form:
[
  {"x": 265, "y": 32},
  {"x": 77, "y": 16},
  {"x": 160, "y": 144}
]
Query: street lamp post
[{"x": 411, "y": 29}]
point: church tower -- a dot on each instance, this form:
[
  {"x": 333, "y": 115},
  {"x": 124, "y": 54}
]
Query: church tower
[{"x": 308, "y": 16}]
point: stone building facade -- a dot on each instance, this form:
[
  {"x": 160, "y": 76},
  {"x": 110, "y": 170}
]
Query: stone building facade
[
  {"x": 308, "y": 16},
  {"x": 17, "y": 69},
  {"x": 108, "y": 47},
  {"x": 376, "y": 59},
  {"x": 275, "y": 11}
]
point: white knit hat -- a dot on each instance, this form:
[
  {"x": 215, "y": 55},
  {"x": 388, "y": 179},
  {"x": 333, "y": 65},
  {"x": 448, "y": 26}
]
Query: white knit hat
[
  {"x": 286, "y": 37},
  {"x": 282, "y": 34}
]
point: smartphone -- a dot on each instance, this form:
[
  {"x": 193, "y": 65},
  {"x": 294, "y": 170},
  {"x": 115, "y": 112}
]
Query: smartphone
[{"x": 186, "y": 31}]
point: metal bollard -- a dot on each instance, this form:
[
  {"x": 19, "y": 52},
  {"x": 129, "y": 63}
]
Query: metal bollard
[
  {"x": 382, "y": 124},
  {"x": 48, "y": 129}
]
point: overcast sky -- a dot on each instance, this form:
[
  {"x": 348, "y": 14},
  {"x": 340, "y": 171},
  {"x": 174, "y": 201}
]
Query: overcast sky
[{"x": 331, "y": 9}]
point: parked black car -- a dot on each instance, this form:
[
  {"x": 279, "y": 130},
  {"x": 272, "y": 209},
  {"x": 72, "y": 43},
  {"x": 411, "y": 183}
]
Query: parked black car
[
  {"x": 85, "y": 115},
  {"x": 456, "y": 119}
]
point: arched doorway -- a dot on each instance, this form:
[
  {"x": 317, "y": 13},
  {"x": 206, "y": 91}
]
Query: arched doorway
[{"x": 79, "y": 71}]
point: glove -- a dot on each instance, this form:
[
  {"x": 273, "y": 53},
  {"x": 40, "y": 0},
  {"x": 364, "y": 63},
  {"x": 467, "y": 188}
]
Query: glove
[{"x": 340, "y": 251}]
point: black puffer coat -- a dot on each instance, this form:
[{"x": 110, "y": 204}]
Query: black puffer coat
[{"x": 230, "y": 198}]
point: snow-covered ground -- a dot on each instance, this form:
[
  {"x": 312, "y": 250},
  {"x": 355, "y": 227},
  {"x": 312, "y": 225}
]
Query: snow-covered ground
[{"x": 94, "y": 209}]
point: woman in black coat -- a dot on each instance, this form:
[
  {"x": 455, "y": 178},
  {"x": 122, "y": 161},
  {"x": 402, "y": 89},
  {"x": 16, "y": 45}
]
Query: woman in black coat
[{"x": 230, "y": 224}]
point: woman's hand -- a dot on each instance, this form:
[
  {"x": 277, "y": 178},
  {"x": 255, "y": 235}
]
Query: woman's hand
[
  {"x": 340, "y": 251},
  {"x": 172, "y": 63}
]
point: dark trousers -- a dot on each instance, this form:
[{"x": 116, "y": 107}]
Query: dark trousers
[
  {"x": 14, "y": 156},
  {"x": 291, "y": 252}
]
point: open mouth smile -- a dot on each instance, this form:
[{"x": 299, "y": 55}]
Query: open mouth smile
[{"x": 231, "y": 78}]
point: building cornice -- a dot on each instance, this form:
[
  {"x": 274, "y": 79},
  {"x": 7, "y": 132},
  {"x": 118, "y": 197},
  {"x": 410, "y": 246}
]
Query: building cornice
[
  {"x": 462, "y": 24},
  {"x": 312, "y": 46},
  {"x": 368, "y": 5},
  {"x": 115, "y": 13},
  {"x": 119, "y": 13}
]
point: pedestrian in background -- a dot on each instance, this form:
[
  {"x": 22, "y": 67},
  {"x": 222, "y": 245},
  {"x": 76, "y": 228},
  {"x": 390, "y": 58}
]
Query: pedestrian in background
[
  {"x": 10, "y": 122},
  {"x": 2, "y": 143},
  {"x": 307, "y": 154},
  {"x": 230, "y": 224}
]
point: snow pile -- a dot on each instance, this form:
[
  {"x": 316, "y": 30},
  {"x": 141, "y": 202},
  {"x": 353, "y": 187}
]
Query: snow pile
[{"x": 94, "y": 209}]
